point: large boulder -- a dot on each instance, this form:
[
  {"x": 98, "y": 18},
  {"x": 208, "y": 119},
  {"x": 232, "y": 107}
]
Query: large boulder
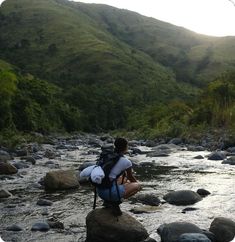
[
  {"x": 103, "y": 226},
  {"x": 223, "y": 228},
  {"x": 171, "y": 232},
  {"x": 217, "y": 155},
  {"x": 182, "y": 197},
  {"x": 61, "y": 179},
  {"x": 7, "y": 168},
  {"x": 193, "y": 237}
]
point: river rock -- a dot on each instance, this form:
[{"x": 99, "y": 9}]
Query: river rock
[
  {"x": 189, "y": 209},
  {"x": 136, "y": 151},
  {"x": 223, "y": 228},
  {"x": 61, "y": 179},
  {"x": 14, "y": 227},
  {"x": 21, "y": 165},
  {"x": 107, "y": 147},
  {"x": 230, "y": 161},
  {"x": 4, "y": 193},
  {"x": 159, "y": 153},
  {"x": 193, "y": 237},
  {"x": 30, "y": 159},
  {"x": 21, "y": 152},
  {"x": 147, "y": 199},
  {"x": 144, "y": 209},
  {"x": 217, "y": 155},
  {"x": 50, "y": 154},
  {"x": 7, "y": 168},
  {"x": 231, "y": 149},
  {"x": 163, "y": 150},
  {"x": 94, "y": 142},
  {"x": 40, "y": 226},
  {"x": 198, "y": 157},
  {"x": 44, "y": 202},
  {"x": 195, "y": 148},
  {"x": 55, "y": 224},
  {"x": 203, "y": 192},
  {"x": 102, "y": 226},
  {"x": 176, "y": 141},
  {"x": 4, "y": 156},
  {"x": 171, "y": 232},
  {"x": 182, "y": 197}
]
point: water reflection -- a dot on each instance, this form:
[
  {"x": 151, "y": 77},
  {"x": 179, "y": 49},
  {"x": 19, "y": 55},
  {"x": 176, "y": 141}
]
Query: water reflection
[{"x": 158, "y": 175}]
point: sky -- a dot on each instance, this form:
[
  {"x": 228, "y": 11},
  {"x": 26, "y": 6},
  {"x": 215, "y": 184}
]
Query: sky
[{"x": 210, "y": 17}]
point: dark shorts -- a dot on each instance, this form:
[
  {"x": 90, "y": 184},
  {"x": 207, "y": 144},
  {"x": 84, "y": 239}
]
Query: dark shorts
[{"x": 104, "y": 193}]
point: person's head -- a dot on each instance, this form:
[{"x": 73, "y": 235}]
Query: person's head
[{"x": 121, "y": 145}]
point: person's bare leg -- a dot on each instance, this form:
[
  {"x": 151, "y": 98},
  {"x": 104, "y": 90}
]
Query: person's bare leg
[{"x": 131, "y": 189}]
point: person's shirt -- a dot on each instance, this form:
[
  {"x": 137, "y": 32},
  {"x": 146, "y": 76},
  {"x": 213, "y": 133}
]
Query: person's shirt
[{"x": 122, "y": 164}]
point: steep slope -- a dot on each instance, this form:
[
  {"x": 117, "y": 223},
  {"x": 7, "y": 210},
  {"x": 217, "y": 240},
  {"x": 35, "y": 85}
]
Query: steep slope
[
  {"x": 107, "y": 64},
  {"x": 194, "y": 58},
  {"x": 56, "y": 41},
  {"x": 31, "y": 104}
]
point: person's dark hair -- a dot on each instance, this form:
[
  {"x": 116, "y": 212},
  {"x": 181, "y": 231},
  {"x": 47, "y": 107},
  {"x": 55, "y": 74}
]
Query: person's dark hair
[{"x": 120, "y": 145}]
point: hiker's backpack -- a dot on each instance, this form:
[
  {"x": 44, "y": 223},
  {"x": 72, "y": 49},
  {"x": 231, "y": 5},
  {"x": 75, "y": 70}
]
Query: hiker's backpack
[{"x": 107, "y": 160}]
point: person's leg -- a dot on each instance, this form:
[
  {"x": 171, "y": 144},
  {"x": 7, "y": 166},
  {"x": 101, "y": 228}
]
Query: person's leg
[{"x": 131, "y": 189}]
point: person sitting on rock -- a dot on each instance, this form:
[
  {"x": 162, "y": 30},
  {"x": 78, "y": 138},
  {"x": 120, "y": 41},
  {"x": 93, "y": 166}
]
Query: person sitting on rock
[{"x": 123, "y": 182}]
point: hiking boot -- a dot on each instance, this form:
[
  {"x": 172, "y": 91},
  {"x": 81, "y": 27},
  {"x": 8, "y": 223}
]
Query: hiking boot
[
  {"x": 114, "y": 207},
  {"x": 107, "y": 204}
]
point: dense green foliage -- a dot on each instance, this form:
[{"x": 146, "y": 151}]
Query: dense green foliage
[
  {"x": 92, "y": 67},
  {"x": 31, "y": 104}
]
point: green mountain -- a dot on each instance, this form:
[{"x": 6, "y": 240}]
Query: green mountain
[
  {"x": 194, "y": 58},
  {"x": 109, "y": 67}
]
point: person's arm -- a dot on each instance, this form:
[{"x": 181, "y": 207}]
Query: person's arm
[{"x": 129, "y": 175}]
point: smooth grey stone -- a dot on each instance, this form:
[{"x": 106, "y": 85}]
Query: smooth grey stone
[
  {"x": 40, "y": 226},
  {"x": 203, "y": 192},
  {"x": 14, "y": 227},
  {"x": 44, "y": 202},
  {"x": 193, "y": 237}
]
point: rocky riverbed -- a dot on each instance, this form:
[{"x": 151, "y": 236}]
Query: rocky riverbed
[{"x": 161, "y": 168}]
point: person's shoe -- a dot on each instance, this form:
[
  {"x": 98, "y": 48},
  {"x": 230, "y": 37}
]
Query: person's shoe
[
  {"x": 107, "y": 204},
  {"x": 116, "y": 211},
  {"x": 114, "y": 206}
]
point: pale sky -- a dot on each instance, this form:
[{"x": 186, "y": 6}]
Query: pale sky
[{"x": 210, "y": 17}]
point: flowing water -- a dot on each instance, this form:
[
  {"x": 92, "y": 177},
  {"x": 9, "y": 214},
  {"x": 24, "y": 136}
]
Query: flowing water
[{"x": 178, "y": 171}]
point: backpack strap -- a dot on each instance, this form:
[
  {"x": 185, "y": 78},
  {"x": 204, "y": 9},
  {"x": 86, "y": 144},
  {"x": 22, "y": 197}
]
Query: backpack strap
[{"x": 95, "y": 197}]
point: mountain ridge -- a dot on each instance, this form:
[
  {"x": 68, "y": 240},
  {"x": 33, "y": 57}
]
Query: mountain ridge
[{"x": 110, "y": 64}]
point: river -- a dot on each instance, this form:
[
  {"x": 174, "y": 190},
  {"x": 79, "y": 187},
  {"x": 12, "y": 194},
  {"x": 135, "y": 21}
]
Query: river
[{"x": 178, "y": 171}]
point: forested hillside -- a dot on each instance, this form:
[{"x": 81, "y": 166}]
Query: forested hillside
[{"x": 91, "y": 67}]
